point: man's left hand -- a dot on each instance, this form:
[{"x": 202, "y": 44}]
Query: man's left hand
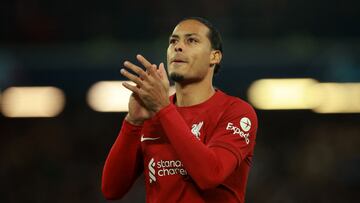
[{"x": 152, "y": 85}]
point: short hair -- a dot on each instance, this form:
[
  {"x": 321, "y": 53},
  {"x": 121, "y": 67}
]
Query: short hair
[{"x": 213, "y": 35}]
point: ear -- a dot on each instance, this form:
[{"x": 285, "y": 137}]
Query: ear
[{"x": 215, "y": 57}]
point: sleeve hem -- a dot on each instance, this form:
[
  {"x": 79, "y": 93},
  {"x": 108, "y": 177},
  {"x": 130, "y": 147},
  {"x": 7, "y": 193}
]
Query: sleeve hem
[
  {"x": 130, "y": 129},
  {"x": 164, "y": 111},
  {"x": 127, "y": 124}
]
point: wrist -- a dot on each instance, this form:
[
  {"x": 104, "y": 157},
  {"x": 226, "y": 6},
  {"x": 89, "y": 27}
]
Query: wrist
[
  {"x": 137, "y": 122},
  {"x": 164, "y": 105}
]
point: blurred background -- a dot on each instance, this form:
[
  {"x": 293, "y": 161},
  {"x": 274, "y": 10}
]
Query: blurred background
[{"x": 56, "y": 130}]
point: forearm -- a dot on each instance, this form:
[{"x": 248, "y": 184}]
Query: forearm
[
  {"x": 207, "y": 166},
  {"x": 123, "y": 163}
]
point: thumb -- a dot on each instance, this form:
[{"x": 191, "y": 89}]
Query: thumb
[
  {"x": 163, "y": 76},
  {"x": 162, "y": 72}
]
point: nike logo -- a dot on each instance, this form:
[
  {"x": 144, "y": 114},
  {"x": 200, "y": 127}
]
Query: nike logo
[{"x": 148, "y": 138}]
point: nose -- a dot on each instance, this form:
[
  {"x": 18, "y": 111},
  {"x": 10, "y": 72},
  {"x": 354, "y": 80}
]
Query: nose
[{"x": 178, "y": 47}]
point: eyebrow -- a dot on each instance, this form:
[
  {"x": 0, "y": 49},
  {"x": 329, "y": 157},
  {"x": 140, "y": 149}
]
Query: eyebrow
[{"x": 186, "y": 35}]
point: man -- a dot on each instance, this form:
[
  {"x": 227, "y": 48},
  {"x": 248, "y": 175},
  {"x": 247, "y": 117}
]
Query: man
[{"x": 195, "y": 146}]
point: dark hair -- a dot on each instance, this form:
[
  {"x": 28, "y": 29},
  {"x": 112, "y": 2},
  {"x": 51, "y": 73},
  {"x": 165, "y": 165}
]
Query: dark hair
[{"x": 213, "y": 35}]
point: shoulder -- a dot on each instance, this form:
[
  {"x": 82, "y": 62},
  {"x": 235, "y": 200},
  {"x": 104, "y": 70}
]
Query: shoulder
[
  {"x": 238, "y": 110},
  {"x": 236, "y": 104}
]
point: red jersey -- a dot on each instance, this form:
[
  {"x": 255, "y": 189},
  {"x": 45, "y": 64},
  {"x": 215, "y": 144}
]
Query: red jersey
[{"x": 200, "y": 153}]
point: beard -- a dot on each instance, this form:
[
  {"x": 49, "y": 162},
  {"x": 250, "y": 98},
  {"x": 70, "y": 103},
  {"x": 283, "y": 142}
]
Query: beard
[{"x": 176, "y": 77}]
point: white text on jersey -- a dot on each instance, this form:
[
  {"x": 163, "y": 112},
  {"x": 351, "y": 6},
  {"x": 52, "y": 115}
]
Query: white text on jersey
[{"x": 236, "y": 130}]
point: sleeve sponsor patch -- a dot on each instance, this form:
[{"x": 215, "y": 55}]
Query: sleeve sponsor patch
[{"x": 245, "y": 126}]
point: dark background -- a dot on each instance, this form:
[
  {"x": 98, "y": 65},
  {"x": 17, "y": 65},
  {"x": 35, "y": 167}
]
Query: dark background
[{"x": 300, "y": 156}]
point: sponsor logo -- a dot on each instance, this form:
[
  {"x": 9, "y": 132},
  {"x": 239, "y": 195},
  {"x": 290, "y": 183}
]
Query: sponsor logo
[
  {"x": 245, "y": 124},
  {"x": 238, "y": 131},
  {"x": 142, "y": 139},
  {"x": 163, "y": 168},
  {"x": 152, "y": 170},
  {"x": 195, "y": 130}
]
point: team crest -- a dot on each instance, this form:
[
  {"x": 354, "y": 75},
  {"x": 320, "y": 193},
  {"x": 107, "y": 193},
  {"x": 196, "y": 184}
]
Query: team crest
[{"x": 195, "y": 130}]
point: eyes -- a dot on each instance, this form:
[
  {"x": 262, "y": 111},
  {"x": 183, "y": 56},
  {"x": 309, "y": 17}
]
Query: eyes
[
  {"x": 172, "y": 41},
  {"x": 190, "y": 40}
]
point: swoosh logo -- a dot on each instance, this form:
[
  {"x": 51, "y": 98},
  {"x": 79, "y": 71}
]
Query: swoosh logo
[{"x": 148, "y": 138}]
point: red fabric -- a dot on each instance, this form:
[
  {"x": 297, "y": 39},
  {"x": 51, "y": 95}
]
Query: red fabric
[
  {"x": 123, "y": 164},
  {"x": 200, "y": 153},
  {"x": 216, "y": 163}
]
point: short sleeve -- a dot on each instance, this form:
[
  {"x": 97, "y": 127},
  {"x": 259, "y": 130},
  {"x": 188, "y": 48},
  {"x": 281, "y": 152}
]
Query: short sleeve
[{"x": 236, "y": 130}]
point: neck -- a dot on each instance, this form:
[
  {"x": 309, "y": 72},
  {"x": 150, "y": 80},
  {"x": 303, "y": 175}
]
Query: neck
[{"x": 193, "y": 93}]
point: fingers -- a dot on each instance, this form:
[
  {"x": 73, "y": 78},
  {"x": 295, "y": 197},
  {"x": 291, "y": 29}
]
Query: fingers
[
  {"x": 139, "y": 71},
  {"x": 131, "y": 77},
  {"x": 150, "y": 68},
  {"x": 132, "y": 88},
  {"x": 143, "y": 61},
  {"x": 150, "y": 76}
]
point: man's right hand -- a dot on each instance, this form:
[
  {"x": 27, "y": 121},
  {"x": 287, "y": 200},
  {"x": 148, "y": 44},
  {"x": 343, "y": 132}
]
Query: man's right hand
[{"x": 137, "y": 111}]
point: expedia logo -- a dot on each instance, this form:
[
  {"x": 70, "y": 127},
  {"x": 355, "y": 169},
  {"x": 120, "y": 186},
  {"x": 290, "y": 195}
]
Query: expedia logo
[
  {"x": 165, "y": 168},
  {"x": 245, "y": 124},
  {"x": 236, "y": 130}
]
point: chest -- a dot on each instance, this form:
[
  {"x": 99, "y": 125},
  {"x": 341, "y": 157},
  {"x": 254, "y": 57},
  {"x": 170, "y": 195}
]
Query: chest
[{"x": 200, "y": 122}]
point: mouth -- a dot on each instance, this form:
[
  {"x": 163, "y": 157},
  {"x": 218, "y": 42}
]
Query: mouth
[{"x": 176, "y": 60}]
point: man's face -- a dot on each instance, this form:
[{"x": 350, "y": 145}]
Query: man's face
[{"x": 188, "y": 54}]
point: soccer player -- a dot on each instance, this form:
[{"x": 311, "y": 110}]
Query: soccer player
[{"x": 194, "y": 146}]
